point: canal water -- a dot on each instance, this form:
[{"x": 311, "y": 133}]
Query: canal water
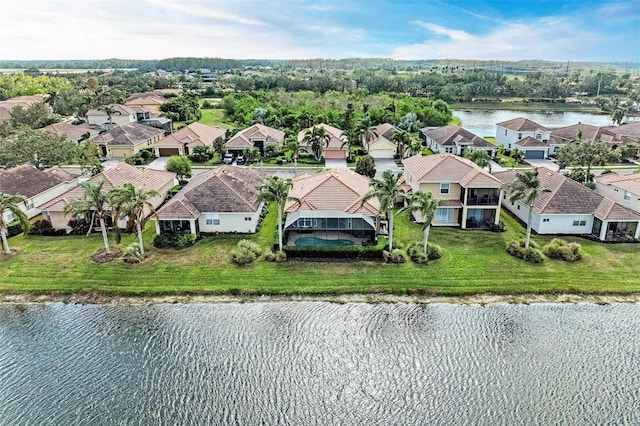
[
  {"x": 483, "y": 122},
  {"x": 303, "y": 363}
]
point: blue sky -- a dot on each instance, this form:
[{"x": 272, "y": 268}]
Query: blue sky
[{"x": 282, "y": 29}]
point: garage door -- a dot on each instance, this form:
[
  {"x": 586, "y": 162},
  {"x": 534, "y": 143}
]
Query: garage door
[
  {"x": 168, "y": 152},
  {"x": 534, "y": 155},
  {"x": 382, "y": 153},
  {"x": 335, "y": 154}
]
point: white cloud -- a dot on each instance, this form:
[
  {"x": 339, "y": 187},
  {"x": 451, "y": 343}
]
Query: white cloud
[{"x": 438, "y": 29}]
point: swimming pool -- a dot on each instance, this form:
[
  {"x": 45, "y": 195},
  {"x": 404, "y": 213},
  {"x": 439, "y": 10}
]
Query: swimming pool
[{"x": 313, "y": 241}]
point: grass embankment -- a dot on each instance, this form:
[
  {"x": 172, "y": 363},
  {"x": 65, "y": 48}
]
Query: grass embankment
[
  {"x": 474, "y": 262},
  {"x": 527, "y": 106}
]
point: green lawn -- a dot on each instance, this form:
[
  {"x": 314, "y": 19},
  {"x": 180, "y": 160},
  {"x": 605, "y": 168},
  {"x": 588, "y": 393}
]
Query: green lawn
[
  {"x": 214, "y": 117},
  {"x": 473, "y": 262}
]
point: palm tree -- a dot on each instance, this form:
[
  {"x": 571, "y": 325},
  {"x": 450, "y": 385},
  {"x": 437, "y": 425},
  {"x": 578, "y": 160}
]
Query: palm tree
[
  {"x": 425, "y": 205},
  {"x": 386, "y": 190},
  {"x": 525, "y": 188},
  {"x": 275, "y": 189},
  {"x": 109, "y": 110},
  {"x": 317, "y": 139},
  {"x": 480, "y": 157},
  {"x": 402, "y": 138},
  {"x": 366, "y": 131},
  {"x": 12, "y": 203},
  {"x": 93, "y": 205},
  {"x": 132, "y": 202},
  {"x": 415, "y": 146},
  {"x": 293, "y": 146}
]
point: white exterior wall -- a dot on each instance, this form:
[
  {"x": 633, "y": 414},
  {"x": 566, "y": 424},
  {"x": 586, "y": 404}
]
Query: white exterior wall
[
  {"x": 115, "y": 118},
  {"x": 436, "y": 147},
  {"x": 551, "y": 223},
  {"x": 617, "y": 195},
  {"x": 508, "y": 137},
  {"x": 230, "y": 222}
]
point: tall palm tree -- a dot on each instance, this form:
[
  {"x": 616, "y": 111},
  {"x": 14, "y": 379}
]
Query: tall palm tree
[
  {"x": 294, "y": 148},
  {"x": 317, "y": 139},
  {"x": 526, "y": 188},
  {"x": 402, "y": 139},
  {"x": 93, "y": 205},
  {"x": 386, "y": 190},
  {"x": 425, "y": 205},
  {"x": 109, "y": 110},
  {"x": 132, "y": 202},
  {"x": 366, "y": 131},
  {"x": 12, "y": 203},
  {"x": 480, "y": 157},
  {"x": 275, "y": 189}
]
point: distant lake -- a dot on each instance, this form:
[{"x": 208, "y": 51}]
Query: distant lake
[
  {"x": 483, "y": 122},
  {"x": 300, "y": 363}
]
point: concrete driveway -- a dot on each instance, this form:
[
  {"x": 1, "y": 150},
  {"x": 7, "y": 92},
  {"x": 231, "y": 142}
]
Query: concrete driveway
[
  {"x": 383, "y": 164},
  {"x": 159, "y": 163},
  {"x": 334, "y": 163},
  {"x": 543, "y": 163}
]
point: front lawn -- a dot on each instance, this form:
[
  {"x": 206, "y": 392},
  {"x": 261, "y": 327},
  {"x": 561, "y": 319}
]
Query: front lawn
[{"x": 473, "y": 262}]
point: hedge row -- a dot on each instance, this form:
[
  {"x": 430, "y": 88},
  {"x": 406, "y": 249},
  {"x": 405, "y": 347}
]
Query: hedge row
[
  {"x": 333, "y": 252},
  {"x": 174, "y": 241}
]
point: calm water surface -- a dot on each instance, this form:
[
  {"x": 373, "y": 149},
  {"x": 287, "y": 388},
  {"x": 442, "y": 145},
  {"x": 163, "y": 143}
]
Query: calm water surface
[{"x": 319, "y": 363}]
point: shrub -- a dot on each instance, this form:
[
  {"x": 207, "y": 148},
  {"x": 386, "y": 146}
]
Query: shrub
[
  {"x": 174, "y": 241},
  {"x": 560, "y": 249},
  {"x": 133, "y": 254},
  {"x": 278, "y": 256},
  {"x": 246, "y": 252},
  {"x": 532, "y": 254},
  {"x": 78, "y": 226},
  {"x": 334, "y": 252},
  {"x": 395, "y": 256},
  {"x": 499, "y": 227},
  {"x": 146, "y": 154},
  {"x": 434, "y": 252},
  {"x": 416, "y": 253},
  {"x": 43, "y": 227},
  {"x": 14, "y": 229}
]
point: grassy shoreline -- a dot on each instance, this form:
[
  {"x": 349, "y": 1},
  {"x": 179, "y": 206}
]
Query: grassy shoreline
[
  {"x": 527, "y": 106},
  {"x": 474, "y": 262}
]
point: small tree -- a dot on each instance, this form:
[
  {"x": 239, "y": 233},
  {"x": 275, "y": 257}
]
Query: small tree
[
  {"x": 480, "y": 157},
  {"x": 251, "y": 153},
  {"x": 584, "y": 154},
  {"x": 275, "y": 190},
  {"x": 93, "y": 205},
  {"x": 386, "y": 190},
  {"x": 181, "y": 166},
  {"x": 425, "y": 205},
  {"x": 366, "y": 166},
  {"x": 132, "y": 202},
  {"x": 316, "y": 139},
  {"x": 12, "y": 203}
]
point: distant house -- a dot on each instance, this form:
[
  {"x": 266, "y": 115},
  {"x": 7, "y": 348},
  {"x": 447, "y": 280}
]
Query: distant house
[
  {"x": 127, "y": 140},
  {"x": 257, "y": 135},
  {"x": 381, "y": 145},
  {"x": 532, "y": 148},
  {"x": 471, "y": 196},
  {"x": 23, "y": 102},
  {"x": 624, "y": 190},
  {"x": 629, "y": 132},
  {"x": 74, "y": 132},
  {"x": 572, "y": 209},
  {"x": 149, "y": 100},
  {"x": 114, "y": 177},
  {"x": 563, "y": 135},
  {"x": 510, "y": 132},
  {"x": 330, "y": 207},
  {"x": 184, "y": 140},
  {"x": 38, "y": 186},
  {"x": 337, "y": 148},
  {"x": 454, "y": 139},
  {"x": 224, "y": 199},
  {"x": 122, "y": 114}
]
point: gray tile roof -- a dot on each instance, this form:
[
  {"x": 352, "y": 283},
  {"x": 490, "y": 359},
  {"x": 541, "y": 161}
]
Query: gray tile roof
[
  {"x": 129, "y": 134},
  {"x": 28, "y": 181},
  {"x": 455, "y": 135}
]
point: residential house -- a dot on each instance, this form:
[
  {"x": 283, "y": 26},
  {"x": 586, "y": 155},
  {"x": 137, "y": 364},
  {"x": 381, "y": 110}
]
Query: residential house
[
  {"x": 381, "y": 145},
  {"x": 148, "y": 100},
  {"x": 38, "y": 186},
  {"x": 624, "y": 190},
  {"x": 127, "y": 140},
  {"x": 630, "y": 133},
  {"x": 563, "y": 135},
  {"x": 23, "y": 102},
  {"x": 454, "y": 139},
  {"x": 122, "y": 114},
  {"x": 572, "y": 209},
  {"x": 184, "y": 140},
  {"x": 337, "y": 149},
  {"x": 258, "y": 135},
  {"x": 224, "y": 199},
  {"x": 532, "y": 148},
  {"x": 114, "y": 177},
  {"x": 510, "y": 132},
  {"x": 73, "y": 132},
  {"x": 471, "y": 196},
  {"x": 328, "y": 205}
]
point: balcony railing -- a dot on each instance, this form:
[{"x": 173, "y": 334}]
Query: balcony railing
[{"x": 483, "y": 201}]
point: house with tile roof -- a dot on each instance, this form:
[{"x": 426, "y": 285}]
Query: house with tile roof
[
  {"x": 510, "y": 132},
  {"x": 122, "y": 114},
  {"x": 23, "y": 102},
  {"x": 127, "y": 140},
  {"x": 257, "y": 135},
  {"x": 74, "y": 132},
  {"x": 533, "y": 148},
  {"x": 471, "y": 195},
  {"x": 148, "y": 100},
  {"x": 454, "y": 139},
  {"x": 328, "y": 205},
  {"x": 570, "y": 208},
  {"x": 623, "y": 189},
  {"x": 114, "y": 177},
  {"x": 337, "y": 149},
  {"x": 630, "y": 132},
  {"x": 38, "y": 186},
  {"x": 382, "y": 146},
  {"x": 184, "y": 140},
  {"x": 563, "y": 135},
  {"x": 224, "y": 199}
]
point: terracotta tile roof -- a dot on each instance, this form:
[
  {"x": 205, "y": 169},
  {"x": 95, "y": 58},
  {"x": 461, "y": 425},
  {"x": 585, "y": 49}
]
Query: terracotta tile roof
[
  {"x": 629, "y": 183},
  {"x": 530, "y": 142},
  {"x": 385, "y": 130},
  {"x": 567, "y": 196},
  {"x": 522, "y": 124},
  {"x": 448, "y": 168},
  {"x": 337, "y": 136},
  {"x": 226, "y": 189},
  {"x": 244, "y": 138},
  {"x": 129, "y": 134},
  {"x": 21, "y": 101},
  {"x": 338, "y": 189},
  {"x": 609, "y": 210},
  {"x": 567, "y": 134},
  {"x": 145, "y": 99},
  {"x": 28, "y": 181},
  {"x": 71, "y": 131},
  {"x": 119, "y": 109},
  {"x": 629, "y": 129},
  {"x": 455, "y": 135},
  {"x": 116, "y": 177},
  {"x": 193, "y": 135}
]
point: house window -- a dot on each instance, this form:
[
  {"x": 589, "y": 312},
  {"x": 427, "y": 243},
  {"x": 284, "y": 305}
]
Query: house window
[
  {"x": 579, "y": 222},
  {"x": 305, "y": 222},
  {"x": 627, "y": 196},
  {"x": 213, "y": 219},
  {"x": 519, "y": 135},
  {"x": 247, "y": 218},
  {"x": 29, "y": 204},
  {"x": 518, "y": 207},
  {"x": 444, "y": 188},
  {"x": 539, "y": 136},
  {"x": 546, "y": 219},
  {"x": 444, "y": 215},
  {"x": 505, "y": 132},
  {"x": 449, "y": 150}
]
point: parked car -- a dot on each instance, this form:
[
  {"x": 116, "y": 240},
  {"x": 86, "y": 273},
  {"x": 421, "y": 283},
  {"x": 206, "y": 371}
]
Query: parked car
[
  {"x": 227, "y": 159},
  {"x": 241, "y": 160}
]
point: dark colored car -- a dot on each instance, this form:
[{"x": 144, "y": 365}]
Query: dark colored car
[
  {"x": 227, "y": 159},
  {"x": 241, "y": 160}
]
